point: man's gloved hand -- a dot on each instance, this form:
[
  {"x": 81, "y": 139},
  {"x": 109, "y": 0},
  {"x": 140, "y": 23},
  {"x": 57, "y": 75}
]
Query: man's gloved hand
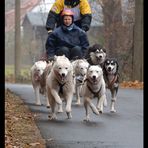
[
  {"x": 84, "y": 28},
  {"x": 49, "y": 31}
]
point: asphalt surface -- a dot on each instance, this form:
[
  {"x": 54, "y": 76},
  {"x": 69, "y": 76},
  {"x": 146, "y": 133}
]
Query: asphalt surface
[{"x": 123, "y": 129}]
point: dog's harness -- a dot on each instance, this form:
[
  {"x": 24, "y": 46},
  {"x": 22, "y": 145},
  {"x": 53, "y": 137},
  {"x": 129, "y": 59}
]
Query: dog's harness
[
  {"x": 61, "y": 85},
  {"x": 95, "y": 93},
  {"x": 80, "y": 80},
  {"x": 113, "y": 81}
]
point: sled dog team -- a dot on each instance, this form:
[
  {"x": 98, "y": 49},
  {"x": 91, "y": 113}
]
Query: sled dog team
[{"x": 86, "y": 79}]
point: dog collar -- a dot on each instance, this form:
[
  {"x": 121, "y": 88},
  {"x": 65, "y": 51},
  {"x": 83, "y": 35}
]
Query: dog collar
[
  {"x": 95, "y": 93},
  {"x": 61, "y": 87},
  {"x": 113, "y": 81},
  {"x": 60, "y": 84}
]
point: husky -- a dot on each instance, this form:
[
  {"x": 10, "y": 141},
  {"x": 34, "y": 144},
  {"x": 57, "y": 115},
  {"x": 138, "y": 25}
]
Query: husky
[
  {"x": 60, "y": 86},
  {"x": 94, "y": 87},
  {"x": 39, "y": 72},
  {"x": 80, "y": 67},
  {"x": 96, "y": 55},
  {"x": 111, "y": 77}
]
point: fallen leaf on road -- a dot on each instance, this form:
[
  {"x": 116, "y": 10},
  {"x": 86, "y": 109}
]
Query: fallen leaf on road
[
  {"x": 50, "y": 139},
  {"x": 34, "y": 144}
]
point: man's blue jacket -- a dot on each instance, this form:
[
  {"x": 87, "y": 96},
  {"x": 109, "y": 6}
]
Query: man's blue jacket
[{"x": 61, "y": 36}]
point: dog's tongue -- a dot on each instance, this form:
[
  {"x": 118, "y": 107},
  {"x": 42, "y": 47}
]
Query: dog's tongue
[
  {"x": 36, "y": 76},
  {"x": 109, "y": 70},
  {"x": 62, "y": 78},
  {"x": 94, "y": 80}
]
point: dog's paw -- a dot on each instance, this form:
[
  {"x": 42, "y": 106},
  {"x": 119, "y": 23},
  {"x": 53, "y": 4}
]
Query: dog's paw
[
  {"x": 94, "y": 109},
  {"x": 69, "y": 116},
  {"x": 113, "y": 111},
  {"x": 48, "y": 106},
  {"x": 52, "y": 117},
  {"x": 78, "y": 103},
  {"x": 100, "y": 110},
  {"x": 87, "y": 119},
  {"x": 60, "y": 110},
  {"x": 38, "y": 103}
]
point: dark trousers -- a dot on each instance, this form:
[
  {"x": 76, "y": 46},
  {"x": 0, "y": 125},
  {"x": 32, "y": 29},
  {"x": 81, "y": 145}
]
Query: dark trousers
[{"x": 70, "y": 53}]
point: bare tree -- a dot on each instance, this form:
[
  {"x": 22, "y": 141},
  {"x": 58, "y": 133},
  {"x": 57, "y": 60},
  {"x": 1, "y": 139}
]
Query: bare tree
[
  {"x": 118, "y": 34},
  {"x": 112, "y": 20},
  {"x": 138, "y": 42},
  {"x": 17, "y": 40}
]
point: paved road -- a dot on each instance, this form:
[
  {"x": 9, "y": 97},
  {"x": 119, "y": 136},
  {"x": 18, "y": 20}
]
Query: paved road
[{"x": 123, "y": 129}]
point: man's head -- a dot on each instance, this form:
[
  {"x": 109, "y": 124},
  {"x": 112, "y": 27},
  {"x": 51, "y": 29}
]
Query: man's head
[
  {"x": 71, "y": 3},
  {"x": 67, "y": 17}
]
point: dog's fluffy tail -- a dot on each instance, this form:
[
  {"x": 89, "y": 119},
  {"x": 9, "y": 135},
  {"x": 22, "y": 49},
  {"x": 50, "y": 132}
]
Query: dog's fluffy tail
[{"x": 94, "y": 109}]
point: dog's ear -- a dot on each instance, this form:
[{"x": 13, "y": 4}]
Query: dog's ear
[
  {"x": 104, "y": 50},
  {"x": 84, "y": 60},
  {"x": 99, "y": 66},
  {"x": 115, "y": 60},
  {"x": 101, "y": 69},
  {"x": 88, "y": 63},
  {"x": 55, "y": 57},
  {"x": 117, "y": 66},
  {"x": 63, "y": 55},
  {"x": 71, "y": 69},
  {"x": 97, "y": 46},
  {"x": 36, "y": 64},
  {"x": 106, "y": 60},
  {"x": 104, "y": 69},
  {"x": 88, "y": 66},
  {"x": 90, "y": 49}
]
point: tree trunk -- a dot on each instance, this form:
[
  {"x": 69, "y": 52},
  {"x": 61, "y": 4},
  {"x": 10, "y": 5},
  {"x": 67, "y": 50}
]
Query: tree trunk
[
  {"x": 138, "y": 42},
  {"x": 17, "y": 40},
  {"x": 118, "y": 36},
  {"x": 112, "y": 14}
]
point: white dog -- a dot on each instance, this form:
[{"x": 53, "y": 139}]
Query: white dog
[
  {"x": 94, "y": 87},
  {"x": 80, "y": 67},
  {"x": 38, "y": 77},
  {"x": 60, "y": 85}
]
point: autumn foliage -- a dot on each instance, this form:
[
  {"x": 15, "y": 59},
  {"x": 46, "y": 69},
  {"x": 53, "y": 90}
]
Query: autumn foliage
[
  {"x": 20, "y": 128},
  {"x": 132, "y": 84}
]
